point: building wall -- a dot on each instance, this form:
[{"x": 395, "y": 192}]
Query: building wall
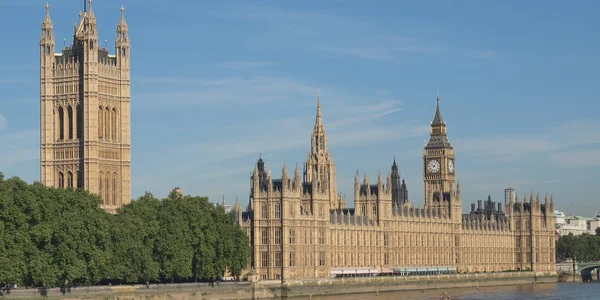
[
  {"x": 296, "y": 233},
  {"x": 85, "y": 112}
]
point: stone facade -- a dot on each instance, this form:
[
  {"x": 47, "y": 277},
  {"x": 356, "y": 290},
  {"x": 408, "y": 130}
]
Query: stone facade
[
  {"x": 300, "y": 228},
  {"x": 85, "y": 112}
]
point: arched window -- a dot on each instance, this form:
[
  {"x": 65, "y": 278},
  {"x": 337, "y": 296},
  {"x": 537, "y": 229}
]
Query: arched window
[
  {"x": 61, "y": 180},
  {"x": 107, "y": 189},
  {"x": 70, "y": 122},
  {"x": 70, "y": 179},
  {"x": 61, "y": 122},
  {"x": 264, "y": 211},
  {"x": 114, "y": 123},
  {"x": 107, "y": 124},
  {"x": 79, "y": 179},
  {"x": 100, "y": 187},
  {"x": 114, "y": 188},
  {"x": 277, "y": 211},
  {"x": 79, "y": 122},
  {"x": 100, "y": 123}
]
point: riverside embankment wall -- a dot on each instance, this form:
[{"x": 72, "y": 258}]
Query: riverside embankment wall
[
  {"x": 386, "y": 284},
  {"x": 274, "y": 290}
]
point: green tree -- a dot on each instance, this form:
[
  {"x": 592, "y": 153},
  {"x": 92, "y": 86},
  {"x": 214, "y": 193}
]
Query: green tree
[
  {"x": 51, "y": 236},
  {"x": 134, "y": 236},
  {"x": 173, "y": 245},
  {"x": 598, "y": 231}
]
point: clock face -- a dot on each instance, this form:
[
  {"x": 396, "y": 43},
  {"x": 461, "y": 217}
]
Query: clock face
[
  {"x": 433, "y": 166},
  {"x": 451, "y": 166}
]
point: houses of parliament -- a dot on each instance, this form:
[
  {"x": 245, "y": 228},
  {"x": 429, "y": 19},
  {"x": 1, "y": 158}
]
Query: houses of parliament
[{"x": 299, "y": 226}]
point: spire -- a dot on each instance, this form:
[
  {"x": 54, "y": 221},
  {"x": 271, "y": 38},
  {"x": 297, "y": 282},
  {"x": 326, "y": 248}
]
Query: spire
[
  {"x": 379, "y": 178},
  {"x": 122, "y": 23},
  {"x": 284, "y": 171},
  {"x": 319, "y": 120},
  {"x": 47, "y": 20},
  {"x": 437, "y": 119},
  {"x": 297, "y": 174}
]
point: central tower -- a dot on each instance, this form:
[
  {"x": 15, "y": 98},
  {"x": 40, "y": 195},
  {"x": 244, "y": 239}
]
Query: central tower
[
  {"x": 319, "y": 162},
  {"x": 438, "y": 163},
  {"x": 85, "y": 112}
]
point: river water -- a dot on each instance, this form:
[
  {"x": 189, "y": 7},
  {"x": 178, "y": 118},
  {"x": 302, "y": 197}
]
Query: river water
[{"x": 558, "y": 291}]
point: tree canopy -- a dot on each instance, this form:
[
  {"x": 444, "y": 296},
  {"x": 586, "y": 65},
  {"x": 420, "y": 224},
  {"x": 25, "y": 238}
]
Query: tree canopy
[
  {"x": 51, "y": 236},
  {"x": 585, "y": 247}
]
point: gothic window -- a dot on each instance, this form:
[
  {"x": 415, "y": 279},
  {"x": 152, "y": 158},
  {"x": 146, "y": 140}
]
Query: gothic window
[
  {"x": 100, "y": 123},
  {"x": 278, "y": 259},
  {"x": 69, "y": 179},
  {"x": 61, "y": 122},
  {"x": 363, "y": 209},
  {"x": 264, "y": 211},
  {"x": 264, "y": 257},
  {"x": 114, "y": 124},
  {"x": 70, "y": 121},
  {"x": 322, "y": 258},
  {"x": 386, "y": 239},
  {"x": 264, "y": 235},
  {"x": 277, "y": 211},
  {"x": 375, "y": 210},
  {"x": 292, "y": 236},
  {"x": 107, "y": 189},
  {"x": 114, "y": 189},
  {"x": 107, "y": 124},
  {"x": 61, "y": 180},
  {"x": 322, "y": 236},
  {"x": 100, "y": 191},
  {"x": 79, "y": 118},
  {"x": 79, "y": 180},
  {"x": 277, "y": 236},
  {"x": 292, "y": 259}
]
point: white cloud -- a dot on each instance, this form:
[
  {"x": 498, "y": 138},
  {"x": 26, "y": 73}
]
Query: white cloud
[{"x": 3, "y": 122}]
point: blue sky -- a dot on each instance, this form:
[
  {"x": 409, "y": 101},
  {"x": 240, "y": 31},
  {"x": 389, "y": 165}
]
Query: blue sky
[{"x": 215, "y": 83}]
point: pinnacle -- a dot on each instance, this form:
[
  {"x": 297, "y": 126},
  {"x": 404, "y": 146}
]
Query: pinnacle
[{"x": 437, "y": 119}]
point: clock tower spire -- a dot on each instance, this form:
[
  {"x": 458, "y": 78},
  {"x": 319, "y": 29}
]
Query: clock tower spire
[{"x": 438, "y": 164}]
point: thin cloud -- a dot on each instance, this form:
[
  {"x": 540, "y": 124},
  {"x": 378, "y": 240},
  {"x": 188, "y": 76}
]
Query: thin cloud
[
  {"x": 577, "y": 159},
  {"x": 243, "y": 65},
  {"x": 3, "y": 122},
  {"x": 560, "y": 137},
  {"x": 19, "y": 146}
]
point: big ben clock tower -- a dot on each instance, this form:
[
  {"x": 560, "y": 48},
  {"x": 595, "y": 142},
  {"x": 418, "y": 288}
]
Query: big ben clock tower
[{"x": 438, "y": 163}]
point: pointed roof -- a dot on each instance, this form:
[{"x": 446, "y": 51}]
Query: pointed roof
[
  {"x": 437, "y": 119},
  {"x": 47, "y": 20},
  {"x": 439, "y": 138},
  {"x": 319, "y": 120},
  {"x": 122, "y": 23}
]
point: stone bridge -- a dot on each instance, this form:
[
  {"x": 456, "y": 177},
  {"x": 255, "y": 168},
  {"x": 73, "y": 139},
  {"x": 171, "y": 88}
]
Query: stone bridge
[{"x": 586, "y": 268}]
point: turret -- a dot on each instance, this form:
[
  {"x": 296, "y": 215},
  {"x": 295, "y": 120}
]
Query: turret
[
  {"x": 122, "y": 44},
  {"x": 47, "y": 37},
  {"x": 297, "y": 178},
  {"x": 284, "y": 172}
]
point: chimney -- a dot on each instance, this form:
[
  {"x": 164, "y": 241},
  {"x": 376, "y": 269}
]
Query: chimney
[
  {"x": 472, "y": 206},
  {"x": 499, "y": 206},
  {"x": 479, "y": 204}
]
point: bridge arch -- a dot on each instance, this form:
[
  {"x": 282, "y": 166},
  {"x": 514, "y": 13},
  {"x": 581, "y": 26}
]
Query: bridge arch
[{"x": 585, "y": 269}]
